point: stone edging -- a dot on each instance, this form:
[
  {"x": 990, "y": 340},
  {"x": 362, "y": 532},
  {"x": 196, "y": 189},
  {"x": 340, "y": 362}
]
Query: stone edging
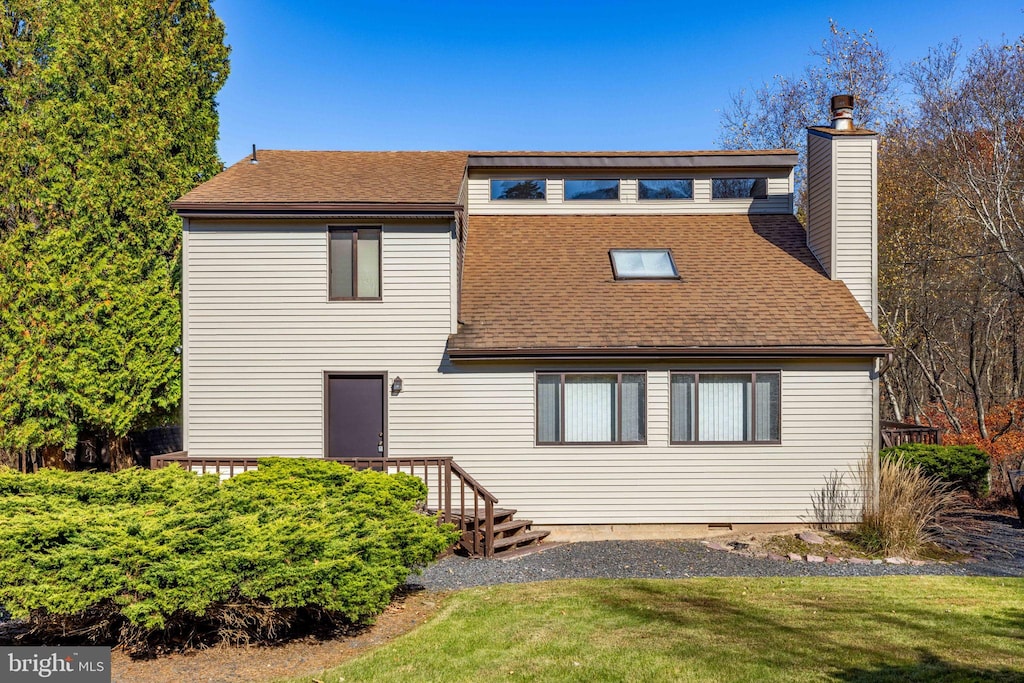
[{"x": 743, "y": 548}]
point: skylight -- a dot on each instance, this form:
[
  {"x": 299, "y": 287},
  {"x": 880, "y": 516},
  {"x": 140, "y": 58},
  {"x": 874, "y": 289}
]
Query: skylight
[{"x": 643, "y": 264}]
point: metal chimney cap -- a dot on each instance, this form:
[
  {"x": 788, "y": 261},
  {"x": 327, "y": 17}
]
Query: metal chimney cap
[
  {"x": 842, "y": 102},
  {"x": 842, "y": 112}
]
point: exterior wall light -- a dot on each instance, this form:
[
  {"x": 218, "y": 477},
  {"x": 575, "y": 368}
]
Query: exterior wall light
[{"x": 396, "y": 386}]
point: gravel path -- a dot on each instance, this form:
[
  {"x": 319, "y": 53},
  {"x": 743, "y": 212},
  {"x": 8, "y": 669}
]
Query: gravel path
[{"x": 997, "y": 544}]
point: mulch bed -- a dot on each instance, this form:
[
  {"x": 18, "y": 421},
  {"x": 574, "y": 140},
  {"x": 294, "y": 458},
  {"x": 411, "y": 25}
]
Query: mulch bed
[{"x": 302, "y": 657}]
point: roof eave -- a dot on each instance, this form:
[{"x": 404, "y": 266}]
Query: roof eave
[
  {"x": 188, "y": 209},
  {"x": 780, "y": 159},
  {"x": 670, "y": 352}
]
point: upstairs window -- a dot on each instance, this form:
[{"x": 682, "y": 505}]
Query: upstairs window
[
  {"x": 643, "y": 264},
  {"x": 591, "y": 189},
  {"x": 354, "y": 256},
  {"x": 739, "y": 188},
  {"x": 725, "y": 407},
  {"x": 665, "y": 189},
  {"x": 584, "y": 408},
  {"x": 533, "y": 188}
]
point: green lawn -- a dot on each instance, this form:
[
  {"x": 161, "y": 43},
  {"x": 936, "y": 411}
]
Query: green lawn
[{"x": 779, "y": 629}]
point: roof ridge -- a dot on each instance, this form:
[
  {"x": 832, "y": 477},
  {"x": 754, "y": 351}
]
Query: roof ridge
[{"x": 554, "y": 152}]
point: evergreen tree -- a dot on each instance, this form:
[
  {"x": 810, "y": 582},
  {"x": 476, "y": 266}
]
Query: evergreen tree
[{"x": 107, "y": 114}]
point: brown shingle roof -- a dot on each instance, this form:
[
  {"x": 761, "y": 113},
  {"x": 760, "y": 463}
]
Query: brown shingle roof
[
  {"x": 537, "y": 283},
  {"x": 293, "y": 178}
]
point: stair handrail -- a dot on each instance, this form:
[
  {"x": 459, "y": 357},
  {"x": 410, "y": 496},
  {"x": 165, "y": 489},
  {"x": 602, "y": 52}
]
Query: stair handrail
[
  {"x": 468, "y": 478},
  {"x": 489, "y": 500}
]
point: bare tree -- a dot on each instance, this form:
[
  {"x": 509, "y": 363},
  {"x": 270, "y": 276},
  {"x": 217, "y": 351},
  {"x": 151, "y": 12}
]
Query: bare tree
[
  {"x": 968, "y": 135},
  {"x": 971, "y": 121},
  {"x": 777, "y": 113},
  {"x": 951, "y": 216}
]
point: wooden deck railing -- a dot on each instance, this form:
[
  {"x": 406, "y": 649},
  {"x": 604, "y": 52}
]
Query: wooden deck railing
[
  {"x": 225, "y": 467},
  {"x": 899, "y": 433},
  {"x": 451, "y": 491}
]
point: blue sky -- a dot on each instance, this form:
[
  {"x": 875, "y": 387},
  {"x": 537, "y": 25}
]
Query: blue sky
[{"x": 539, "y": 75}]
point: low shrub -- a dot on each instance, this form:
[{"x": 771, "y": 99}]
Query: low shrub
[
  {"x": 155, "y": 559},
  {"x": 913, "y": 509},
  {"x": 965, "y": 467}
]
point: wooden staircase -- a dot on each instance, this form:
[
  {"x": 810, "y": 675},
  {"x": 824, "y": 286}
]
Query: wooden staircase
[
  {"x": 456, "y": 496},
  {"x": 507, "y": 533}
]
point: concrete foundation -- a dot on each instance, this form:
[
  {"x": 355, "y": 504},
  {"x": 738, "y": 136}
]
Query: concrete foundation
[{"x": 571, "y": 533}]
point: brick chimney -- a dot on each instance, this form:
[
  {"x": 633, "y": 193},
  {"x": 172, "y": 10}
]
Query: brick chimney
[{"x": 842, "y": 219}]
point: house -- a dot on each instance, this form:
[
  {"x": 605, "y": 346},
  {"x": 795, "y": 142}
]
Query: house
[{"x": 598, "y": 338}]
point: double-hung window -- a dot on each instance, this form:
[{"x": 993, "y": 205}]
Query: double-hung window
[
  {"x": 725, "y": 407},
  {"x": 354, "y": 255},
  {"x": 591, "y": 407}
]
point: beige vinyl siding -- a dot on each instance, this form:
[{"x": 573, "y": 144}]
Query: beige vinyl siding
[
  {"x": 185, "y": 386},
  {"x": 260, "y": 331},
  {"x": 780, "y": 195},
  {"x": 841, "y": 226},
  {"x": 820, "y": 201},
  {"x": 484, "y": 417},
  {"x": 855, "y": 209}
]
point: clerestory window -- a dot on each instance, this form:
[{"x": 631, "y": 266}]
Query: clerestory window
[
  {"x": 739, "y": 188},
  {"x": 665, "y": 189},
  {"x": 591, "y": 189},
  {"x": 532, "y": 188}
]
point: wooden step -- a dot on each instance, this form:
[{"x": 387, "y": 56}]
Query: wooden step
[
  {"x": 512, "y": 525},
  {"x": 480, "y": 515},
  {"x": 520, "y": 539},
  {"x": 500, "y": 517}
]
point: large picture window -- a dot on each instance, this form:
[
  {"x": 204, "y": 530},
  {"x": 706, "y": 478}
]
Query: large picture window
[
  {"x": 591, "y": 408},
  {"x": 354, "y": 255},
  {"x": 725, "y": 407}
]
